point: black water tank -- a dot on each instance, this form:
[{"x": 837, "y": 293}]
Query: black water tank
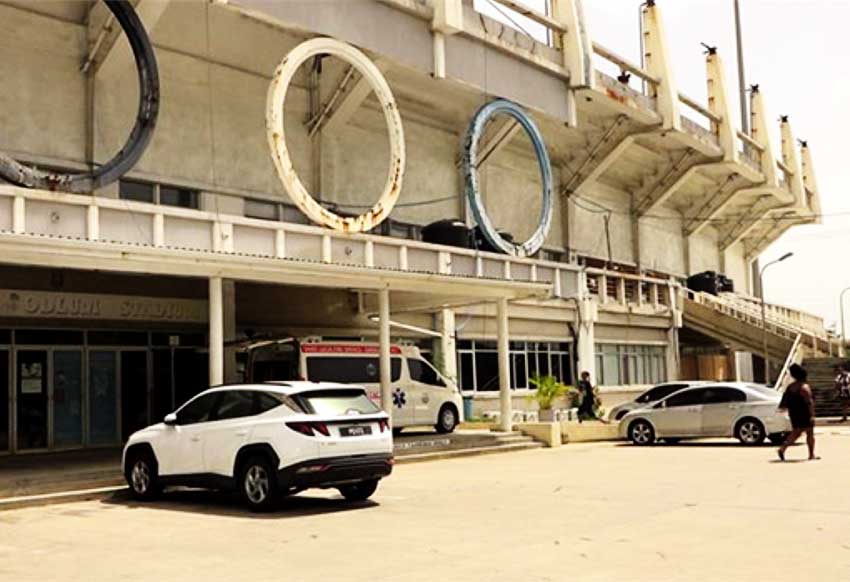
[
  {"x": 482, "y": 244},
  {"x": 706, "y": 282},
  {"x": 727, "y": 285},
  {"x": 450, "y": 232}
]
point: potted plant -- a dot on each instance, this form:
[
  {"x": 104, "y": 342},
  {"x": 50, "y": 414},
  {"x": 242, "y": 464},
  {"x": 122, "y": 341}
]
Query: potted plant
[{"x": 547, "y": 390}]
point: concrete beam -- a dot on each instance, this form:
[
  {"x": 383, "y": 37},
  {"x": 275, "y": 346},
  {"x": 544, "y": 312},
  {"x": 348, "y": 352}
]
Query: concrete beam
[
  {"x": 609, "y": 147},
  {"x": 792, "y": 162},
  {"x": 498, "y": 137},
  {"x": 658, "y": 63},
  {"x": 349, "y": 100},
  {"x": 111, "y": 55},
  {"x": 719, "y": 104},
  {"x": 675, "y": 175},
  {"x": 712, "y": 206},
  {"x": 749, "y": 220},
  {"x": 759, "y": 133},
  {"x": 810, "y": 181}
]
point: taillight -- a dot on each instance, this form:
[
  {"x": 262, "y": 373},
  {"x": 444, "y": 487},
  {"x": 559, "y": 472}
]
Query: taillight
[
  {"x": 384, "y": 424},
  {"x": 302, "y": 427},
  {"x": 309, "y": 428}
]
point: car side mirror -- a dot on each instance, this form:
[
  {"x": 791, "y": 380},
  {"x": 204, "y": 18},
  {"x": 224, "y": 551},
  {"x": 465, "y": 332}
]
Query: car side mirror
[{"x": 170, "y": 419}]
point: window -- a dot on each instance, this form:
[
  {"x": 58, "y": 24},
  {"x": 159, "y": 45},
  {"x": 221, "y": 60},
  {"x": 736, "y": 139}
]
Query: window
[
  {"x": 138, "y": 191},
  {"x": 270, "y": 400},
  {"x": 171, "y": 196},
  {"x": 629, "y": 364},
  {"x": 158, "y": 194},
  {"x": 421, "y": 371},
  {"x": 198, "y": 410},
  {"x": 338, "y": 402},
  {"x": 686, "y": 398},
  {"x": 235, "y": 404},
  {"x": 261, "y": 210},
  {"x": 722, "y": 395},
  {"x": 479, "y": 363},
  {"x": 349, "y": 370},
  {"x": 660, "y": 392}
]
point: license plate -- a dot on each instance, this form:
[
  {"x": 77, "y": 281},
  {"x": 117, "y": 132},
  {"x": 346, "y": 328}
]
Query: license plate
[{"x": 350, "y": 431}]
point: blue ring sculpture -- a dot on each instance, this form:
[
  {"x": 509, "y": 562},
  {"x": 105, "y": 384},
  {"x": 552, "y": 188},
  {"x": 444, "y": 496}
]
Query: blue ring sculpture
[{"x": 473, "y": 192}]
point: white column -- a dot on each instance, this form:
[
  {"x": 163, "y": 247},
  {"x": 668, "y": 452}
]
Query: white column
[
  {"x": 216, "y": 331},
  {"x": 587, "y": 339},
  {"x": 384, "y": 350},
  {"x": 506, "y": 406}
]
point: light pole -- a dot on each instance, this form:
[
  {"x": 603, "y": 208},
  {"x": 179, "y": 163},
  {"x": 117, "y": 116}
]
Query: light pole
[
  {"x": 745, "y": 122},
  {"x": 843, "y": 329},
  {"x": 765, "y": 354}
]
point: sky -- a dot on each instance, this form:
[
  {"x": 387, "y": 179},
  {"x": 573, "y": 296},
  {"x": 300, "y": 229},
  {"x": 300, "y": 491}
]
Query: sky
[{"x": 798, "y": 52}]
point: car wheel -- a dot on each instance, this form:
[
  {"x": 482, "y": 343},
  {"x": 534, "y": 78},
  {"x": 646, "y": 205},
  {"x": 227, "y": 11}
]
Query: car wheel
[
  {"x": 641, "y": 433},
  {"x": 750, "y": 431},
  {"x": 359, "y": 491},
  {"x": 143, "y": 476},
  {"x": 258, "y": 483},
  {"x": 447, "y": 419}
]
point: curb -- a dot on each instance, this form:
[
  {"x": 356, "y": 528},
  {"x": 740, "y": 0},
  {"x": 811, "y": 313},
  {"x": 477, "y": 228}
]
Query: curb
[{"x": 61, "y": 497}]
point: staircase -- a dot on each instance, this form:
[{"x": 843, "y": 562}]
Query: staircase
[
  {"x": 822, "y": 380},
  {"x": 735, "y": 321},
  {"x": 428, "y": 447}
]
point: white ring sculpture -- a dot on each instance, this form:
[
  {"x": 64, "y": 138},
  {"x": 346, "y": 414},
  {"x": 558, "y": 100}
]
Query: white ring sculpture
[{"x": 277, "y": 136}]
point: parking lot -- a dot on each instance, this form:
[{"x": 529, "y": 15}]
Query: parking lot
[{"x": 711, "y": 510}]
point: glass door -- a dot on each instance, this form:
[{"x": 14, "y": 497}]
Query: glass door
[
  {"x": 5, "y": 400},
  {"x": 103, "y": 397},
  {"x": 67, "y": 396},
  {"x": 31, "y": 399},
  {"x": 134, "y": 392}
]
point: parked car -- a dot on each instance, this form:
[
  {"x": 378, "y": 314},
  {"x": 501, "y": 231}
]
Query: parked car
[
  {"x": 421, "y": 395},
  {"x": 745, "y": 411},
  {"x": 654, "y": 394},
  {"x": 265, "y": 440}
]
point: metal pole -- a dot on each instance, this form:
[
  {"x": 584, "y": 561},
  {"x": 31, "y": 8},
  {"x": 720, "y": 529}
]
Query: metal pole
[
  {"x": 765, "y": 354},
  {"x": 385, "y": 363},
  {"x": 745, "y": 122}
]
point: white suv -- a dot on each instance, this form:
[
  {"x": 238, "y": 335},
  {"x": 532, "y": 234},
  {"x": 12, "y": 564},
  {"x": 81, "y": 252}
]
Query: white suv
[{"x": 264, "y": 440}]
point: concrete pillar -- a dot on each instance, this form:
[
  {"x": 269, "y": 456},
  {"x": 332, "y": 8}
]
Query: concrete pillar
[
  {"x": 216, "y": 332},
  {"x": 447, "y": 346},
  {"x": 229, "y": 305},
  {"x": 384, "y": 350},
  {"x": 506, "y": 406},
  {"x": 586, "y": 344}
]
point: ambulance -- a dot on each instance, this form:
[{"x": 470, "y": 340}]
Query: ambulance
[{"x": 421, "y": 395}]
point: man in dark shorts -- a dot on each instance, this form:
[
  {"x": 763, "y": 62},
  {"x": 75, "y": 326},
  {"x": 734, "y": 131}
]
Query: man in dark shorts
[{"x": 800, "y": 404}]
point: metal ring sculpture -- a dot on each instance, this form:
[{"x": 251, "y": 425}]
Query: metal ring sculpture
[
  {"x": 126, "y": 158},
  {"x": 473, "y": 190},
  {"x": 280, "y": 153}
]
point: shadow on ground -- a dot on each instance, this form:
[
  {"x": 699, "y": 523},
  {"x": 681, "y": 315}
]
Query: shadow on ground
[{"x": 229, "y": 504}]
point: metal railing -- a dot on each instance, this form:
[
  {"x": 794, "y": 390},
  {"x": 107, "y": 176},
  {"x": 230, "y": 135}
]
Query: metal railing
[{"x": 795, "y": 356}]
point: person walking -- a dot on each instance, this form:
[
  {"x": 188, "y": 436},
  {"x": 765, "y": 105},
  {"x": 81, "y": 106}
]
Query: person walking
[
  {"x": 842, "y": 386},
  {"x": 800, "y": 404}
]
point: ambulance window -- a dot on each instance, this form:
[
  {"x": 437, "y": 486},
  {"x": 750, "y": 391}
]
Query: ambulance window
[
  {"x": 349, "y": 369},
  {"x": 420, "y": 371}
]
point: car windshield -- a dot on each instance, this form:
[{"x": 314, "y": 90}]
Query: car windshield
[{"x": 337, "y": 402}]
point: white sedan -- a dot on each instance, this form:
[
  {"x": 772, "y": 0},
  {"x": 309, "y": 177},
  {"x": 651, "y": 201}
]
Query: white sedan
[{"x": 747, "y": 412}]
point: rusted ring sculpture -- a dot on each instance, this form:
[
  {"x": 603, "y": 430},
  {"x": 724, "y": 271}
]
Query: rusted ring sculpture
[
  {"x": 17, "y": 173},
  {"x": 473, "y": 190},
  {"x": 277, "y": 136}
]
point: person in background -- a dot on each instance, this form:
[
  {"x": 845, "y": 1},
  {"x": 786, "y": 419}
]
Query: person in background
[
  {"x": 800, "y": 404},
  {"x": 842, "y": 386},
  {"x": 588, "y": 399}
]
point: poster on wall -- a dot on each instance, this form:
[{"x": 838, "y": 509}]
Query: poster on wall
[{"x": 31, "y": 378}]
